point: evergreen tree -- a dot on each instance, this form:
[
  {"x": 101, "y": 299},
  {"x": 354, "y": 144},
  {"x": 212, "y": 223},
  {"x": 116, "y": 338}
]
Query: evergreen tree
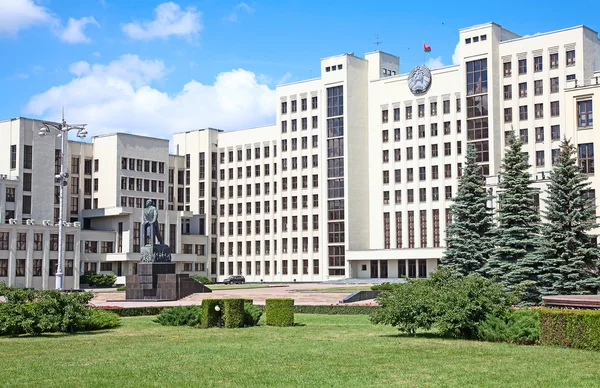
[
  {"x": 469, "y": 240},
  {"x": 514, "y": 262},
  {"x": 567, "y": 250}
]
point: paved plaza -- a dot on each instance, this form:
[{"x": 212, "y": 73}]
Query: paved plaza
[{"x": 302, "y": 293}]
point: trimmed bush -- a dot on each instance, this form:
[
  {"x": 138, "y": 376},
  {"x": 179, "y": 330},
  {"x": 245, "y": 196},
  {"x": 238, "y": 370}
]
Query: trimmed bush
[
  {"x": 520, "y": 326},
  {"x": 180, "y": 316},
  {"x": 279, "y": 312},
  {"x": 210, "y": 317},
  {"x": 233, "y": 313},
  {"x": 122, "y": 288},
  {"x": 93, "y": 279},
  {"x": 202, "y": 279},
  {"x": 570, "y": 328},
  {"x": 101, "y": 319},
  {"x": 134, "y": 311},
  {"x": 252, "y": 314},
  {"x": 335, "y": 310},
  {"x": 387, "y": 286}
]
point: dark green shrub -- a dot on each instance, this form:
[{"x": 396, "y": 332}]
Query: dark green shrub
[
  {"x": 35, "y": 312},
  {"x": 180, "y": 316},
  {"x": 134, "y": 311},
  {"x": 233, "y": 313},
  {"x": 520, "y": 326},
  {"x": 279, "y": 312},
  {"x": 335, "y": 309},
  {"x": 385, "y": 286},
  {"x": 570, "y": 328},
  {"x": 252, "y": 314},
  {"x": 202, "y": 279},
  {"x": 122, "y": 288},
  {"x": 452, "y": 305},
  {"x": 101, "y": 319},
  {"x": 93, "y": 279},
  {"x": 210, "y": 317}
]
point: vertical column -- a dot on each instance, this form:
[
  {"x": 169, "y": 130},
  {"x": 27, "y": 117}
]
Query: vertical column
[
  {"x": 29, "y": 260},
  {"x": 12, "y": 262},
  {"x": 46, "y": 260},
  {"x": 2, "y": 202},
  {"x": 77, "y": 259}
]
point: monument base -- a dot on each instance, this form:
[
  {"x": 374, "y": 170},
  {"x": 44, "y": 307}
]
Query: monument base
[
  {"x": 158, "y": 282},
  {"x": 157, "y": 253}
]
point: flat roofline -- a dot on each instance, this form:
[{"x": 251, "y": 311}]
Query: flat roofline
[
  {"x": 247, "y": 129},
  {"x": 342, "y": 55},
  {"x": 27, "y": 118},
  {"x": 199, "y": 130},
  {"x": 381, "y": 52},
  {"x": 549, "y": 32},
  {"x": 479, "y": 26},
  {"x": 129, "y": 134},
  {"x": 298, "y": 82}
]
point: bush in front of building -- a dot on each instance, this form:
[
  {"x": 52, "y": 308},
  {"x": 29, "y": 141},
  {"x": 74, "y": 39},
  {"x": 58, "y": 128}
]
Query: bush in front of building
[
  {"x": 233, "y": 313},
  {"x": 180, "y": 316},
  {"x": 279, "y": 312},
  {"x": 519, "y": 326},
  {"x": 93, "y": 279},
  {"x": 570, "y": 328},
  {"x": 252, "y": 314},
  {"x": 210, "y": 316},
  {"x": 386, "y": 286},
  {"x": 101, "y": 319},
  {"x": 35, "y": 312},
  {"x": 202, "y": 279},
  {"x": 453, "y": 305}
]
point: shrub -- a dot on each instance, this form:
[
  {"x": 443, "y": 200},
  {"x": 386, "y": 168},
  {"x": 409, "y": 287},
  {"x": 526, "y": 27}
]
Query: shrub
[
  {"x": 252, "y": 314},
  {"x": 93, "y": 279},
  {"x": 335, "y": 309},
  {"x": 202, "y": 279},
  {"x": 35, "y": 312},
  {"x": 210, "y": 317},
  {"x": 233, "y": 313},
  {"x": 453, "y": 305},
  {"x": 279, "y": 312},
  {"x": 101, "y": 319},
  {"x": 134, "y": 311},
  {"x": 520, "y": 326},
  {"x": 180, "y": 316},
  {"x": 385, "y": 286},
  {"x": 570, "y": 328},
  {"x": 122, "y": 288}
]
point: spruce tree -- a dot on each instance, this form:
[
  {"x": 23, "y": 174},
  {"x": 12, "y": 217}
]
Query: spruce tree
[
  {"x": 514, "y": 262},
  {"x": 566, "y": 247},
  {"x": 469, "y": 240}
]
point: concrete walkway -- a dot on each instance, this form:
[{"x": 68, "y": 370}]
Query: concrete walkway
[{"x": 302, "y": 293}]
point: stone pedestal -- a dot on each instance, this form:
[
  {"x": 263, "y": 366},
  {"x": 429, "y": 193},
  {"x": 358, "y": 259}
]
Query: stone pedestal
[{"x": 157, "y": 253}]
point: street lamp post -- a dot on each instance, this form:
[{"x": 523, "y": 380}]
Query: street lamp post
[{"x": 63, "y": 128}]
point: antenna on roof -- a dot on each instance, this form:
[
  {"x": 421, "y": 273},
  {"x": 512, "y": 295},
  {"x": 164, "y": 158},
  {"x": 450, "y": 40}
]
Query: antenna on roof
[{"x": 377, "y": 41}]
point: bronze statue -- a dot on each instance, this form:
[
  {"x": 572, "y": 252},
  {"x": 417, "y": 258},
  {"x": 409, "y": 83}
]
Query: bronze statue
[{"x": 150, "y": 220}]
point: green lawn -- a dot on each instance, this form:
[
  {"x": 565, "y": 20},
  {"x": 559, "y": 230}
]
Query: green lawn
[
  {"x": 340, "y": 351},
  {"x": 216, "y": 287}
]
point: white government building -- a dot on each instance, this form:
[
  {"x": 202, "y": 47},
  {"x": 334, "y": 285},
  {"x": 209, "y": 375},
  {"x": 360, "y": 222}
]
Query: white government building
[{"x": 354, "y": 179}]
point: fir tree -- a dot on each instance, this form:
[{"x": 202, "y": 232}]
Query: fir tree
[
  {"x": 514, "y": 262},
  {"x": 567, "y": 250},
  {"x": 469, "y": 240}
]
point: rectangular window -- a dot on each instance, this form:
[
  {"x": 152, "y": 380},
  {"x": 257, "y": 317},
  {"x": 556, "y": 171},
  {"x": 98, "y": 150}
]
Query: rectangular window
[
  {"x": 584, "y": 114},
  {"x": 537, "y": 64},
  {"x": 539, "y": 134},
  {"x": 507, "y": 69},
  {"x": 538, "y": 87},
  {"x": 554, "y": 61},
  {"x": 13, "y": 159},
  {"x": 540, "y": 159},
  {"x": 554, "y": 85},
  {"x": 555, "y": 132},
  {"x": 522, "y": 66},
  {"x": 507, "y": 92},
  {"x": 586, "y": 157},
  {"x": 555, "y": 109},
  {"x": 571, "y": 58}
]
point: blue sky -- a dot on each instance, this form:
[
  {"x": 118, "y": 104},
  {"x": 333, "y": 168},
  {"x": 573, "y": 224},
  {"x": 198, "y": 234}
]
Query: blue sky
[{"x": 159, "y": 67}]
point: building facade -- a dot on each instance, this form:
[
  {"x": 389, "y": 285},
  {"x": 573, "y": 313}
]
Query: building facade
[{"x": 354, "y": 179}]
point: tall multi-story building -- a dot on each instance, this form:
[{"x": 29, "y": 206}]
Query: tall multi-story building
[{"x": 354, "y": 179}]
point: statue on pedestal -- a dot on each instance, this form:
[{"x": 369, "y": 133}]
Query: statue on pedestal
[{"x": 152, "y": 252}]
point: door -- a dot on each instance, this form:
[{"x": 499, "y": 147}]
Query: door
[{"x": 374, "y": 269}]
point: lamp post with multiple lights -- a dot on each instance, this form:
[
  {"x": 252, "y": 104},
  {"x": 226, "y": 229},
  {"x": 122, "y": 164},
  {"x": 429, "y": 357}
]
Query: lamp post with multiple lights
[{"x": 62, "y": 128}]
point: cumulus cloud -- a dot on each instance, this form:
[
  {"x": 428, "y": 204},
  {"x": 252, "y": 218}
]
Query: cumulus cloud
[
  {"x": 119, "y": 96},
  {"x": 434, "y": 63},
  {"x": 170, "y": 20},
  {"x": 73, "y": 32},
  {"x": 21, "y": 14},
  {"x": 456, "y": 54},
  {"x": 233, "y": 17}
]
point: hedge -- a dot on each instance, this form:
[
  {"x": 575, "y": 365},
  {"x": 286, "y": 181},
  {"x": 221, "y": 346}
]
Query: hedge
[
  {"x": 570, "y": 328},
  {"x": 298, "y": 309},
  {"x": 280, "y": 312},
  {"x": 233, "y": 313},
  {"x": 210, "y": 317}
]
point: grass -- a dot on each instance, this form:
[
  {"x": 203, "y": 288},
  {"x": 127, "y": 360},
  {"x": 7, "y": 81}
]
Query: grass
[
  {"x": 345, "y": 290},
  {"x": 328, "y": 351},
  {"x": 216, "y": 287}
]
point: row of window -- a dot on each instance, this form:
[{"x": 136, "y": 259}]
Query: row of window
[
  {"x": 303, "y": 104},
  {"x": 539, "y": 134},
  {"x": 406, "y": 268},
  {"x": 408, "y": 112},
  {"x": 105, "y": 247},
  {"x": 296, "y": 223},
  {"x": 422, "y": 173},
  {"x": 538, "y": 88},
  {"x": 264, "y": 247},
  {"x": 267, "y": 267},
  {"x": 410, "y": 195},
  {"x": 139, "y": 184},
  {"x": 303, "y": 143},
  {"x": 140, "y": 203},
  {"x": 435, "y": 218},
  {"x": 538, "y": 63},
  {"x": 433, "y": 131},
  {"x": 142, "y": 165},
  {"x": 257, "y": 187},
  {"x": 38, "y": 241},
  {"x": 266, "y": 205},
  {"x": 422, "y": 152},
  {"x": 476, "y": 39},
  {"x": 266, "y": 154},
  {"x": 20, "y": 269},
  {"x": 303, "y": 124},
  {"x": 538, "y": 109},
  {"x": 87, "y": 165}
]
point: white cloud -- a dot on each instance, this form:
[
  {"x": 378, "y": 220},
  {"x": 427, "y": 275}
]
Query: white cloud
[
  {"x": 17, "y": 15},
  {"x": 170, "y": 20},
  {"x": 73, "y": 32},
  {"x": 285, "y": 78},
  {"x": 456, "y": 54},
  {"x": 434, "y": 63},
  {"x": 124, "y": 100},
  {"x": 96, "y": 54},
  {"x": 233, "y": 17},
  {"x": 244, "y": 7}
]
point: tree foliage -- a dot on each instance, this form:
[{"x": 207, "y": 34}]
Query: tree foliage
[
  {"x": 469, "y": 234},
  {"x": 566, "y": 249}
]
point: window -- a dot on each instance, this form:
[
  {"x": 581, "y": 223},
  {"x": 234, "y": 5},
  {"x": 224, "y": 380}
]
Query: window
[
  {"x": 538, "y": 87},
  {"x": 304, "y": 103},
  {"x": 524, "y": 133},
  {"x": 539, "y": 111},
  {"x": 396, "y": 114},
  {"x": 407, "y": 113},
  {"x": 27, "y": 181},
  {"x": 508, "y": 115},
  {"x": 10, "y": 194},
  {"x": 314, "y": 102},
  {"x": 555, "y": 109},
  {"x": 13, "y": 160},
  {"x": 571, "y": 58},
  {"x": 539, "y": 159},
  {"x": 537, "y": 64},
  {"x": 294, "y": 106},
  {"x": 421, "y": 109},
  {"x": 283, "y": 107},
  {"x": 507, "y": 92},
  {"x": 433, "y": 108},
  {"x": 584, "y": 114},
  {"x": 507, "y": 69},
  {"x": 554, "y": 61},
  {"x": 539, "y": 134},
  {"x": 522, "y": 66},
  {"x": 384, "y": 116},
  {"x": 586, "y": 157},
  {"x": 446, "y": 106},
  {"x": 523, "y": 89},
  {"x": 523, "y": 112},
  {"x": 28, "y": 156},
  {"x": 555, "y": 153},
  {"x": 554, "y": 86},
  {"x": 555, "y": 132}
]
